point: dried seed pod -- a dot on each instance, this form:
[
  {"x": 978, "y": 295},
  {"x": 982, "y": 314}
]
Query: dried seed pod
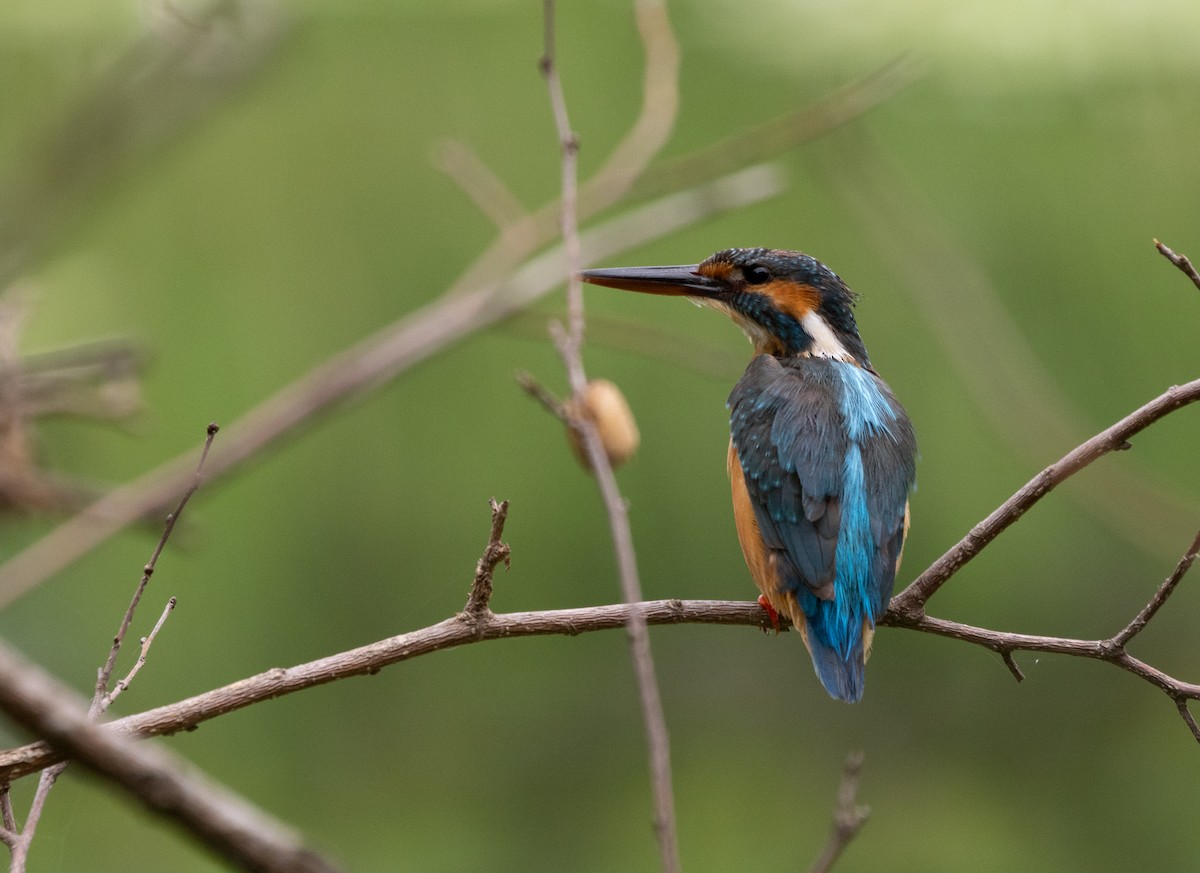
[{"x": 604, "y": 405}]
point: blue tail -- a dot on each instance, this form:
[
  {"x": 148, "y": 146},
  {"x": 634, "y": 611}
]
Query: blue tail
[
  {"x": 835, "y": 640},
  {"x": 842, "y": 675}
]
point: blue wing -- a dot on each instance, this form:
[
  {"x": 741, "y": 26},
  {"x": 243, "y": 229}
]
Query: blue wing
[{"x": 829, "y": 457}]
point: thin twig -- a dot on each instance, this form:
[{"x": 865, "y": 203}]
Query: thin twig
[
  {"x": 570, "y": 348},
  {"x": 9, "y": 829},
  {"x": 541, "y": 394},
  {"x": 1180, "y": 261},
  {"x": 21, "y": 845},
  {"x": 487, "y": 190},
  {"x": 147, "y": 642},
  {"x": 848, "y": 816},
  {"x": 478, "y": 603},
  {"x": 101, "y": 700},
  {"x": 911, "y": 601},
  {"x": 1160, "y": 597},
  {"x": 568, "y": 144},
  {"x": 1190, "y": 720}
]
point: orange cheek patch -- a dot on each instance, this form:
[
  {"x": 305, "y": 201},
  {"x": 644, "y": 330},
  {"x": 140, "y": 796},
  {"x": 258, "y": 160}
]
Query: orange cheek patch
[{"x": 795, "y": 299}]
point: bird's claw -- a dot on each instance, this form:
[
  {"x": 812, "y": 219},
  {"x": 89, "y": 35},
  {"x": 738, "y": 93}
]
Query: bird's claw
[{"x": 771, "y": 613}]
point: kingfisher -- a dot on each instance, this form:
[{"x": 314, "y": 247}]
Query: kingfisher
[{"x": 822, "y": 456}]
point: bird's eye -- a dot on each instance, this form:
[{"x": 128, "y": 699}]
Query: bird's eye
[{"x": 756, "y": 275}]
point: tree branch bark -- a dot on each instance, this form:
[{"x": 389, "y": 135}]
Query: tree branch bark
[
  {"x": 911, "y": 601},
  {"x": 221, "y": 820}
]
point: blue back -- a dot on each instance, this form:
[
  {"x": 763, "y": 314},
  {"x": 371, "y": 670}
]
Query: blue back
[{"x": 829, "y": 458}]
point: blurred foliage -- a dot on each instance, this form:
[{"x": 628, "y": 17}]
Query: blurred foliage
[{"x": 303, "y": 211}]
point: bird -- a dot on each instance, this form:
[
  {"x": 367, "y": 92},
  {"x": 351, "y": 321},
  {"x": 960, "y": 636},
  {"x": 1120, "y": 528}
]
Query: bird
[{"x": 822, "y": 456}]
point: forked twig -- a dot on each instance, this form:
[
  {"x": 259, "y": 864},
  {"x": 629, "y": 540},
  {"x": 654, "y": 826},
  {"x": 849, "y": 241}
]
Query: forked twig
[
  {"x": 848, "y": 816},
  {"x": 1180, "y": 261},
  {"x": 102, "y": 699}
]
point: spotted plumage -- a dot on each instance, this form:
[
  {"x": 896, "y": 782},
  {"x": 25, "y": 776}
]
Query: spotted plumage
[{"x": 822, "y": 456}]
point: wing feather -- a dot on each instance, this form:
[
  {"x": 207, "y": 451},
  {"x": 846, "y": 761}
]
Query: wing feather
[{"x": 789, "y": 430}]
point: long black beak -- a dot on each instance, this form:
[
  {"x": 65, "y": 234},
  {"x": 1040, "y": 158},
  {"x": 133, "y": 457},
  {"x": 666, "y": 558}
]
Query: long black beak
[{"x": 673, "y": 281}]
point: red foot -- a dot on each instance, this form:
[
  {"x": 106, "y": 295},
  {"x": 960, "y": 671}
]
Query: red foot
[{"x": 770, "y": 610}]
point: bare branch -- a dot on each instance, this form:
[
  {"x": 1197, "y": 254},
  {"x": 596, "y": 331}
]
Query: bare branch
[
  {"x": 370, "y": 659},
  {"x": 542, "y": 395},
  {"x": 848, "y": 816},
  {"x": 8, "y": 819},
  {"x": 911, "y": 601},
  {"x": 568, "y": 144},
  {"x": 101, "y": 700},
  {"x": 221, "y": 820},
  {"x": 1189, "y": 719},
  {"x": 21, "y": 842},
  {"x": 494, "y": 198},
  {"x": 493, "y": 554},
  {"x": 147, "y": 642},
  {"x": 462, "y": 630},
  {"x": 1180, "y": 261},
  {"x": 1160, "y": 597}
]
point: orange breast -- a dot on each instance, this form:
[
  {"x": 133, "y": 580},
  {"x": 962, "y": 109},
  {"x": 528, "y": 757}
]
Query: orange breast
[{"x": 758, "y": 557}]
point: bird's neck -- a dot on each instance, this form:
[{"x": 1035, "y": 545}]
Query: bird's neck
[{"x": 773, "y": 332}]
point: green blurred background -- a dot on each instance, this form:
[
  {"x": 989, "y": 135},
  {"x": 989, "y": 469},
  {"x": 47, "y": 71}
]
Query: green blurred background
[{"x": 1021, "y": 178}]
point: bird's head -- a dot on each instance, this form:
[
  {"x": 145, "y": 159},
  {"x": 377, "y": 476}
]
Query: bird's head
[{"x": 788, "y": 303}]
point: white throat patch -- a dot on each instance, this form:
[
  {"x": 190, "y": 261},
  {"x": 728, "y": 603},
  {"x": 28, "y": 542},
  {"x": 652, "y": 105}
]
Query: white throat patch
[{"x": 825, "y": 341}]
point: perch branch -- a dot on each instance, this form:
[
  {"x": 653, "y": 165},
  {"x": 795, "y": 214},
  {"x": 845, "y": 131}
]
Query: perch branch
[
  {"x": 463, "y": 629},
  {"x": 367, "y": 660}
]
